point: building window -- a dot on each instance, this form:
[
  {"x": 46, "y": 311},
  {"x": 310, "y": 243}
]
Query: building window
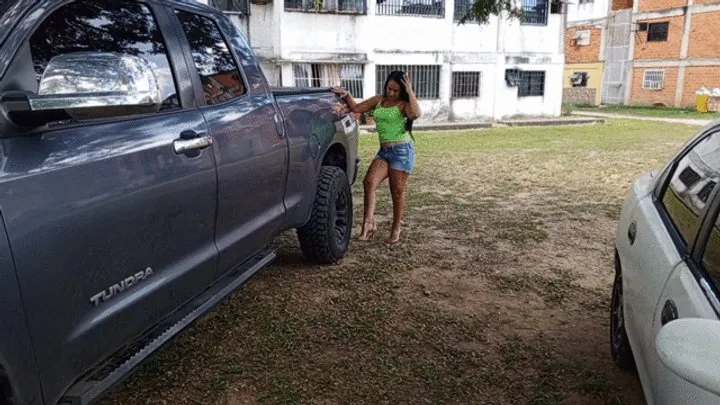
[
  {"x": 465, "y": 84},
  {"x": 579, "y": 79},
  {"x": 231, "y": 6},
  {"x": 462, "y": 7},
  {"x": 534, "y": 12},
  {"x": 329, "y": 6},
  {"x": 653, "y": 79},
  {"x": 531, "y": 83},
  {"x": 430, "y": 8},
  {"x": 582, "y": 38},
  {"x": 425, "y": 78},
  {"x": 348, "y": 76},
  {"x": 657, "y": 32}
]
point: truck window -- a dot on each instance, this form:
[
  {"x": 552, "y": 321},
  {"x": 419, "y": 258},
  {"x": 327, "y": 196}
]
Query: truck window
[
  {"x": 220, "y": 76},
  {"x": 105, "y": 26}
]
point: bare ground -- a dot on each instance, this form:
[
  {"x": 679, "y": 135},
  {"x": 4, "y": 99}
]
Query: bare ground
[{"x": 499, "y": 293}]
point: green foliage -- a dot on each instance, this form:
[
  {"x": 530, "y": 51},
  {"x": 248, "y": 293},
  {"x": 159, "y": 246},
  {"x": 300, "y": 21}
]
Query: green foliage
[{"x": 482, "y": 10}]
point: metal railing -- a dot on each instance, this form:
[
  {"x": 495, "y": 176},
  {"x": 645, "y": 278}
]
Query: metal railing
[
  {"x": 331, "y": 6},
  {"x": 534, "y": 12},
  {"x": 465, "y": 84},
  {"x": 425, "y": 79},
  {"x": 532, "y": 83},
  {"x": 234, "y": 6},
  {"x": 428, "y": 8},
  {"x": 346, "y": 75},
  {"x": 462, "y": 7}
]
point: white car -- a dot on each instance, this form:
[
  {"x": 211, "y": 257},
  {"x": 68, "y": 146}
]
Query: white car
[{"x": 665, "y": 305}]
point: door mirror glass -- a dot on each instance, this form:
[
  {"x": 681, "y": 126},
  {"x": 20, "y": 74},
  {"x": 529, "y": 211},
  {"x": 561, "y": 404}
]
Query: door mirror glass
[
  {"x": 90, "y": 80},
  {"x": 89, "y": 85},
  {"x": 688, "y": 347}
]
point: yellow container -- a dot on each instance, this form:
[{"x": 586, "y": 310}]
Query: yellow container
[{"x": 701, "y": 103}]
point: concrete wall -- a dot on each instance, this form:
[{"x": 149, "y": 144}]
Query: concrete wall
[{"x": 281, "y": 38}]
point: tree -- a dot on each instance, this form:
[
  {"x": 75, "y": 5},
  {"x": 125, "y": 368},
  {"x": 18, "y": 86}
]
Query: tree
[{"x": 482, "y": 10}]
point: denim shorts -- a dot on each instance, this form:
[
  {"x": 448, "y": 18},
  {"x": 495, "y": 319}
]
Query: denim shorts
[{"x": 400, "y": 156}]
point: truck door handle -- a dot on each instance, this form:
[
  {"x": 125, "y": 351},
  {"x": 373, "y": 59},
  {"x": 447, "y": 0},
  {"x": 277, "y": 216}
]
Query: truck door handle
[{"x": 191, "y": 141}]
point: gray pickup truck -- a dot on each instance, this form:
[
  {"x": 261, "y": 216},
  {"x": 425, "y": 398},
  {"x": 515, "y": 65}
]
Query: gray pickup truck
[{"x": 145, "y": 167}]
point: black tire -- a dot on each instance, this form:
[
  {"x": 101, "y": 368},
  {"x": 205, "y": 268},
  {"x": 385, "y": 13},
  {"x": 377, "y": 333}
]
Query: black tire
[
  {"x": 326, "y": 237},
  {"x": 619, "y": 344}
]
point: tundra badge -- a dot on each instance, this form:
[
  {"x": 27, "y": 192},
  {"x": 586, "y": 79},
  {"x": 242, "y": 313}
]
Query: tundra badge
[{"x": 116, "y": 289}]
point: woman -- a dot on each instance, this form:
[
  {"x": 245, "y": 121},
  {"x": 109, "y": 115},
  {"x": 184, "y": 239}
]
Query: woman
[{"x": 394, "y": 112}]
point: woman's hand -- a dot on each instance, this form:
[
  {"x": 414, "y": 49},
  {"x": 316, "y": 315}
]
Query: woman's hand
[
  {"x": 407, "y": 83},
  {"x": 340, "y": 92}
]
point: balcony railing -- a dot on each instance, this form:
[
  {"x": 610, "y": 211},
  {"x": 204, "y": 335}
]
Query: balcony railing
[
  {"x": 233, "y": 6},
  {"x": 534, "y": 12},
  {"x": 421, "y": 8},
  {"x": 327, "y": 6}
]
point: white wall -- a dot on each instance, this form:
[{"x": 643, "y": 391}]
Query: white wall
[
  {"x": 587, "y": 11},
  {"x": 280, "y": 37}
]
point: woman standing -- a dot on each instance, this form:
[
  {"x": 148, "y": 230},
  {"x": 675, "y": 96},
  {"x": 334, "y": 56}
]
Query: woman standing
[{"x": 394, "y": 112}]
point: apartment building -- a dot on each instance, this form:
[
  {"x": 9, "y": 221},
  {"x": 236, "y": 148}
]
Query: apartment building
[
  {"x": 584, "y": 47},
  {"x": 459, "y": 72},
  {"x": 597, "y": 52},
  {"x": 674, "y": 51}
]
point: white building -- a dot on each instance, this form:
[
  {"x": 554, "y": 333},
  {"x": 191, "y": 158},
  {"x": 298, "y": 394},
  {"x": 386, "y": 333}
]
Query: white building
[{"x": 468, "y": 72}]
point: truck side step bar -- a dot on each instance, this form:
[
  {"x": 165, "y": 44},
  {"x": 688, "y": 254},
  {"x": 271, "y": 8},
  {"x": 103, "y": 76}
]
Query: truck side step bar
[{"x": 122, "y": 364}]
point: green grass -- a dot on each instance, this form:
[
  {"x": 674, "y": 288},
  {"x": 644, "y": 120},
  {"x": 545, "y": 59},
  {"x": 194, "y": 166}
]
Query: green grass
[
  {"x": 498, "y": 294},
  {"x": 646, "y": 111}
]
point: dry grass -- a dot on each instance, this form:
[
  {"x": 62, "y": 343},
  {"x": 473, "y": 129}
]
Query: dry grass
[{"x": 498, "y": 295}]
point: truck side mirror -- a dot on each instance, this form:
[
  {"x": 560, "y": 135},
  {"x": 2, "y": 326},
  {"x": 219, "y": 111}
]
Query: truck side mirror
[
  {"x": 82, "y": 85},
  {"x": 689, "y": 347}
]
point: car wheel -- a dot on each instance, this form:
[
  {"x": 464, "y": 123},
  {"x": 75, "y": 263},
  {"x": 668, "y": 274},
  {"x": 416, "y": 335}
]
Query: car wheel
[
  {"x": 326, "y": 236},
  {"x": 619, "y": 343}
]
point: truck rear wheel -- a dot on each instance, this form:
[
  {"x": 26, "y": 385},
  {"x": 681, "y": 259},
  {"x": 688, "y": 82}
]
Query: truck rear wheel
[{"x": 326, "y": 236}]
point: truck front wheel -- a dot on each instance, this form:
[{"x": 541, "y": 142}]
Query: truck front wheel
[{"x": 326, "y": 236}]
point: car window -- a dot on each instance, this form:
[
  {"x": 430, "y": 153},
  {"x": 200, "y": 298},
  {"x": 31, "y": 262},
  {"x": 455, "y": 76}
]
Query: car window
[
  {"x": 220, "y": 76},
  {"x": 105, "y": 26},
  {"x": 691, "y": 184},
  {"x": 711, "y": 255}
]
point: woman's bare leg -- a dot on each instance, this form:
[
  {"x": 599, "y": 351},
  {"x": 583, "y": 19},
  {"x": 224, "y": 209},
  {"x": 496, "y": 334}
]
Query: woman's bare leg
[
  {"x": 398, "y": 186},
  {"x": 377, "y": 172}
]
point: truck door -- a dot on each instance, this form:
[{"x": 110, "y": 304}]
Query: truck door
[
  {"x": 250, "y": 153},
  {"x": 92, "y": 203}
]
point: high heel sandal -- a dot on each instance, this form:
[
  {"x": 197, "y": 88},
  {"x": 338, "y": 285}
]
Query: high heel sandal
[{"x": 369, "y": 234}]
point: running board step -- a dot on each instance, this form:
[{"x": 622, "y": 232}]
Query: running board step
[{"x": 92, "y": 387}]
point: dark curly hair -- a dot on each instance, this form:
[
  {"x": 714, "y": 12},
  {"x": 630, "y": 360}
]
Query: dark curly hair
[{"x": 397, "y": 76}]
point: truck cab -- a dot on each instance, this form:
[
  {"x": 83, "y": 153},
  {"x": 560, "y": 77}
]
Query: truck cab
[{"x": 145, "y": 165}]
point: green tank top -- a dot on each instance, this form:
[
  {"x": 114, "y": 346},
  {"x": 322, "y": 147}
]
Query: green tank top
[{"x": 390, "y": 124}]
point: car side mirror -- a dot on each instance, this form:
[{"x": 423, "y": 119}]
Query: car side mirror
[
  {"x": 84, "y": 85},
  {"x": 689, "y": 347}
]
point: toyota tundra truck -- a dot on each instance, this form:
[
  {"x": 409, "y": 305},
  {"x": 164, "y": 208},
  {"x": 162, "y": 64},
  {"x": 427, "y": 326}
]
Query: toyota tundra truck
[{"x": 145, "y": 168}]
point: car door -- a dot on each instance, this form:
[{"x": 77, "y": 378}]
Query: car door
[
  {"x": 661, "y": 232},
  {"x": 682, "y": 204},
  {"x": 91, "y": 203},
  {"x": 692, "y": 289},
  {"x": 250, "y": 153}
]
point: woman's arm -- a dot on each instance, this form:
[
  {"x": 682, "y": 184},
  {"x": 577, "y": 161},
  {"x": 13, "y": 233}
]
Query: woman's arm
[
  {"x": 412, "y": 109},
  {"x": 354, "y": 106}
]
